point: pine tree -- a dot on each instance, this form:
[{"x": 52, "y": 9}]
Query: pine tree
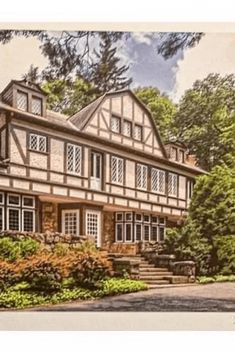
[{"x": 107, "y": 74}]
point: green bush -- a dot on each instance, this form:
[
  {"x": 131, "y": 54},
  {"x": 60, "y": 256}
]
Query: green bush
[
  {"x": 217, "y": 278},
  {"x": 20, "y": 300},
  {"x": 11, "y": 250},
  {"x": 114, "y": 286},
  {"x": 7, "y": 275},
  {"x": 224, "y": 250},
  {"x": 88, "y": 269}
]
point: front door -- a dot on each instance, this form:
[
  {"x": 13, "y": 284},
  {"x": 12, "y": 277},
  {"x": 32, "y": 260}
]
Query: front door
[
  {"x": 70, "y": 222},
  {"x": 93, "y": 225},
  {"x": 96, "y": 170}
]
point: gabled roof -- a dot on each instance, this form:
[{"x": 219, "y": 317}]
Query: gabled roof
[
  {"x": 81, "y": 119},
  {"x": 25, "y": 84}
]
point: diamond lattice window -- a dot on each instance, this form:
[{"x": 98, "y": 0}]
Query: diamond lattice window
[
  {"x": 38, "y": 143},
  {"x": 115, "y": 124},
  {"x": 36, "y": 106},
  {"x": 138, "y": 132},
  {"x": 172, "y": 184},
  {"x": 117, "y": 170},
  {"x": 22, "y": 101},
  {"x": 74, "y": 161},
  {"x": 127, "y": 128},
  {"x": 141, "y": 176},
  {"x": 158, "y": 180}
]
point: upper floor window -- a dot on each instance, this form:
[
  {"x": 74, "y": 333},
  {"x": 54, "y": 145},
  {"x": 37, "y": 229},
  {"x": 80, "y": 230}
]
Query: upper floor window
[
  {"x": 117, "y": 170},
  {"x": 74, "y": 159},
  {"x": 189, "y": 189},
  {"x": 181, "y": 156},
  {"x": 22, "y": 101},
  {"x": 127, "y": 127},
  {"x": 115, "y": 124},
  {"x": 158, "y": 180},
  {"x": 173, "y": 153},
  {"x": 141, "y": 176},
  {"x": 38, "y": 143},
  {"x": 36, "y": 106},
  {"x": 172, "y": 184},
  {"x": 138, "y": 132}
]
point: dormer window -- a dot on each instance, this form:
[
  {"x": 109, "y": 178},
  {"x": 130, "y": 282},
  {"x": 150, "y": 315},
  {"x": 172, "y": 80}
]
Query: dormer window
[
  {"x": 138, "y": 132},
  {"x": 22, "y": 101},
  {"x": 127, "y": 127},
  {"x": 181, "y": 156},
  {"x": 36, "y": 105},
  {"x": 116, "y": 124},
  {"x": 173, "y": 154}
]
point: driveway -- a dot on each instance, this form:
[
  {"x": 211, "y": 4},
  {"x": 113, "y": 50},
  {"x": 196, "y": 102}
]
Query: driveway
[{"x": 210, "y": 297}]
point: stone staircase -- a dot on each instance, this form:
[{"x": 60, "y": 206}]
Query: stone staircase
[{"x": 156, "y": 276}]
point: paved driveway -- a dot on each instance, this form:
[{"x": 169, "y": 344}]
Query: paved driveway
[{"x": 210, "y": 297}]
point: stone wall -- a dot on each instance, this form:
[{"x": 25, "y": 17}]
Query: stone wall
[
  {"x": 49, "y": 217},
  {"x": 108, "y": 231}
]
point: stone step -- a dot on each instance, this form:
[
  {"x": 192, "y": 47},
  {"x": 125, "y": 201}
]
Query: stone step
[
  {"x": 153, "y": 277},
  {"x": 155, "y": 273},
  {"x": 152, "y": 269},
  {"x": 157, "y": 282}
]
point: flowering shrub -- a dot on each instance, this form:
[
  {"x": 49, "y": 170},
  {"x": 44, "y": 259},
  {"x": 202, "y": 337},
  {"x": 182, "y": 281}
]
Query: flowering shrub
[{"x": 7, "y": 275}]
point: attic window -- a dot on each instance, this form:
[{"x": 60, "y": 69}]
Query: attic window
[
  {"x": 173, "y": 153},
  {"x": 22, "y": 101},
  {"x": 138, "y": 132},
  {"x": 36, "y": 106},
  {"x": 181, "y": 156},
  {"x": 127, "y": 127},
  {"x": 116, "y": 124}
]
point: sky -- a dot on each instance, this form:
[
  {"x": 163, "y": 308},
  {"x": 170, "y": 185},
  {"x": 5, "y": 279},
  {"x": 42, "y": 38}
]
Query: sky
[{"x": 214, "y": 53}]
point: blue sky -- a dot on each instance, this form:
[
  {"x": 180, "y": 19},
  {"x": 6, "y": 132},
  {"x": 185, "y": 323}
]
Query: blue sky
[{"x": 214, "y": 53}]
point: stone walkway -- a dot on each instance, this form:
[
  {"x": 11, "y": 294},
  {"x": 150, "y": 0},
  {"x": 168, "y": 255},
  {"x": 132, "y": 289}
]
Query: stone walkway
[{"x": 199, "y": 298}]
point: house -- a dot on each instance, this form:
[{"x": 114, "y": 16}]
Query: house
[{"x": 103, "y": 172}]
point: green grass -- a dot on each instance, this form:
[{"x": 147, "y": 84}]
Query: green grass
[
  {"x": 19, "y": 296},
  {"x": 216, "y": 278}
]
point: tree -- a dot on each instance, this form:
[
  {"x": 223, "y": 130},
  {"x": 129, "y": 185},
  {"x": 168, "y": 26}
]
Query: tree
[
  {"x": 106, "y": 73},
  {"x": 171, "y": 43},
  {"x": 32, "y": 75},
  {"x": 68, "y": 97},
  {"x": 206, "y": 117},
  {"x": 161, "y": 107}
]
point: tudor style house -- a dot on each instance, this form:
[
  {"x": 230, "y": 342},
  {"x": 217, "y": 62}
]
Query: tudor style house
[{"x": 103, "y": 172}]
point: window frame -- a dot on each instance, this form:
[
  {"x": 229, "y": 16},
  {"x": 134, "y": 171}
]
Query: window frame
[
  {"x": 119, "y": 124},
  {"x": 13, "y": 205},
  {"x": 41, "y": 105},
  {"x": 116, "y": 181},
  {"x": 73, "y": 172},
  {"x": 141, "y": 132},
  {"x": 174, "y": 177},
  {"x": 27, "y": 100},
  {"x": 3, "y": 217},
  {"x": 28, "y": 197},
  {"x": 116, "y": 233},
  {"x": 138, "y": 224},
  {"x": 38, "y": 137},
  {"x": 22, "y": 221},
  {"x": 143, "y": 167},
  {"x": 153, "y": 169},
  {"x": 125, "y": 121},
  {"x": 19, "y": 218}
]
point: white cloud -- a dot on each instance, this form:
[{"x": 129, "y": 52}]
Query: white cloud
[
  {"x": 16, "y": 58},
  {"x": 215, "y": 53},
  {"x": 142, "y": 37}
]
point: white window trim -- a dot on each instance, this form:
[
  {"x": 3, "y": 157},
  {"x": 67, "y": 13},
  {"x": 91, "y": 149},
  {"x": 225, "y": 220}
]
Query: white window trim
[
  {"x": 154, "y": 225},
  {"x": 129, "y": 220},
  {"x": 154, "y": 222},
  {"x": 116, "y": 225},
  {"x": 158, "y": 172},
  {"x": 10, "y": 204},
  {"x": 143, "y": 236},
  {"x": 28, "y": 197},
  {"x": 116, "y": 217},
  {"x": 143, "y": 166},
  {"x": 125, "y": 224},
  {"x": 71, "y": 211},
  {"x": 38, "y": 138},
  {"x": 3, "y": 218},
  {"x": 141, "y": 227},
  {"x": 3, "y": 198},
  {"x": 147, "y": 222},
  {"x": 98, "y": 213},
  {"x": 164, "y": 236},
  {"x": 173, "y": 175},
  {"x": 137, "y": 220},
  {"x": 22, "y": 221},
  {"x": 16, "y": 209},
  {"x": 69, "y": 171},
  {"x": 122, "y": 161}
]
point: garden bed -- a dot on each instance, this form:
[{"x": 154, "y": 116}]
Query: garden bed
[{"x": 216, "y": 278}]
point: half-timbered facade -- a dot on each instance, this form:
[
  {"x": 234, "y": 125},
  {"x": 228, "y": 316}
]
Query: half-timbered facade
[{"x": 104, "y": 172}]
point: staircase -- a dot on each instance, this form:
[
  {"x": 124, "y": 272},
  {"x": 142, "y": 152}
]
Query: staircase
[{"x": 155, "y": 276}]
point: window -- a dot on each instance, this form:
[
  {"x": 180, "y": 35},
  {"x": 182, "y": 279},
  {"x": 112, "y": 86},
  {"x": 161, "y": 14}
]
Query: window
[
  {"x": 13, "y": 200},
  {"x": 154, "y": 219},
  {"x": 128, "y": 232},
  {"x": 146, "y": 232},
  {"x": 128, "y": 216},
  {"x": 117, "y": 170},
  {"x": 141, "y": 176},
  {"x": 154, "y": 234},
  {"x": 28, "y": 223},
  {"x": 1, "y": 218},
  {"x": 93, "y": 225},
  {"x": 28, "y": 201},
  {"x": 146, "y": 218},
  {"x": 74, "y": 159},
  {"x": 38, "y": 143},
  {"x": 1, "y": 198},
  {"x": 161, "y": 233},
  {"x": 127, "y": 127},
  {"x": 13, "y": 219},
  {"x": 172, "y": 184},
  {"x": 119, "y": 232},
  {"x": 22, "y": 101},
  {"x": 189, "y": 189},
  {"x": 70, "y": 222},
  {"x": 138, "y": 217},
  {"x": 119, "y": 217},
  {"x": 138, "y": 232},
  {"x": 181, "y": 156},
  {"x": 138, "y": 132},
  {"x": 36, "y": 106},
  {"x": 158, "y": 180},
  {"x": 173, "y": 154},
  {"x": 115, "y": 124}
]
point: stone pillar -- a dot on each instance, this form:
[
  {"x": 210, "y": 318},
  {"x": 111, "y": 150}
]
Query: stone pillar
[{"x": 49, "y": 217}]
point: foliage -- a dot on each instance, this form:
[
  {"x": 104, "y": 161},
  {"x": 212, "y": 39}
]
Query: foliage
[
  {"x": 44, "y": 272},
  {"x": 61, "y": 249},
  {"x": 171, "y": 43},
  {"x": 113, "y": 286},
  {"x": 161, "y": 107},
  {"x": 89, "y": 268},
  {"x": 86, "y": 246},
  {"x": 217, "y": 278},
  {"x": 7, "y": 275},
  {"x": 205, "y": 120},
  {"x": 225, "y": 254},
  {"x": 12, "y": 250}
]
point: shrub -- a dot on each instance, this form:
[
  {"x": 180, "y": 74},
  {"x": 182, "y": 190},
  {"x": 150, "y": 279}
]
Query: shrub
[
  {"x": 44, "y": 272},
  {"x": 86, "y": 246},
  {"x": 112, "y": 286},
  {"x": 17, "y": 299},
  {"x": 7, "y": 275},
  {"x": 11, "y": 250},
  {"x": 87, "y": 269},
  {"x": 61, "y": 249},
  {"x": 224, "y": 249}
]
